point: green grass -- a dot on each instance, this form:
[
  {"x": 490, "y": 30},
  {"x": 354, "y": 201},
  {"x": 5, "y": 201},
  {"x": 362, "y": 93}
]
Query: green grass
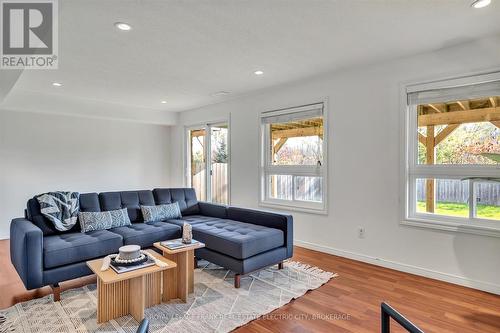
[{"x": 462, "y": 210}]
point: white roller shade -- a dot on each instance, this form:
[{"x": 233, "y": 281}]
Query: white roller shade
[
  {"x": 292, "y": 114},
  {"x": 443, "y": 95}
]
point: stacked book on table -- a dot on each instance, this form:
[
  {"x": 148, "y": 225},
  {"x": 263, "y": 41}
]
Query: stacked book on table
[
  {"x": 123, "y": 268},
  {"x": 175, "y": 244}
]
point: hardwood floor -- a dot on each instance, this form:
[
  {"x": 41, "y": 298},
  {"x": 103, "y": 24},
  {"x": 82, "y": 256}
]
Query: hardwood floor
[{"x": 348, "y": 303}]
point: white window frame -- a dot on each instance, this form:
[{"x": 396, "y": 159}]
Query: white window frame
[
  {"x": 207, "y": 126},
  {"x": 266, "y": 168},
  {"x": 411, "y": 170}
]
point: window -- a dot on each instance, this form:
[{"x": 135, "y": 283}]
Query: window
[
  {"x": 453, "y": 154},
  {"x": 208, "y": 155},
  {"x": 293, "y": 158}
]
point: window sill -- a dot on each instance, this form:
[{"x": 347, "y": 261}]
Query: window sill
[
  {"x": 284, "y": 206},
  {"x": 452, "y": 226}
]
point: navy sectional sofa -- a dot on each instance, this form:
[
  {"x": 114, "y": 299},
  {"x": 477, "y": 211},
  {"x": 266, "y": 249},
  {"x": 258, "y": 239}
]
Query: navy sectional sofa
[{"x": 242, "y": 240}]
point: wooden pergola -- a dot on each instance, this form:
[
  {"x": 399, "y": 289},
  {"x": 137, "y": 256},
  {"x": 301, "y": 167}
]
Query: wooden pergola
[
  {"x": 451, "y": 115},
  {"x": 280, "y": 133}
]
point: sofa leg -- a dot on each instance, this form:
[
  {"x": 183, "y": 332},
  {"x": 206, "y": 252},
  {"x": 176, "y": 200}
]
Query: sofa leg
[
  {"x": 56, "y": 290},
  {"x": 280, "y": 265},
  {"x": 237, "y": 280}
]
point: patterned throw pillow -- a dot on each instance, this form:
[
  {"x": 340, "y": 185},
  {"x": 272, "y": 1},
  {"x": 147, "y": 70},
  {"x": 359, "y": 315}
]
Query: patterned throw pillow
[
  {"x": 161, "y": 212},
  {"x": 119, "y": 218},
  {"x": 91, "y": 221}
]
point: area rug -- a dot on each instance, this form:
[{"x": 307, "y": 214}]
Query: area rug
[{"x": 215, "y": 305}]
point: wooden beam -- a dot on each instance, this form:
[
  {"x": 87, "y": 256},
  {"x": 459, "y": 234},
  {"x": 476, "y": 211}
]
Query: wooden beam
[
  {"x": 422, "y": 139},
  {"x": 196, "y": 133},
  {"x": 496, "y": 123},
  {"x": 278, "y": 145},
  {"x": 444, "y": 133},
  {"x": 460, "y": 117},
  {"x": 438, "y": 107},
  {"x": 465, "y": 105},
  {"x": 493, "y": 102},
  {"x": 429, "y": 183},
  {"x": 297, "y": 132}
]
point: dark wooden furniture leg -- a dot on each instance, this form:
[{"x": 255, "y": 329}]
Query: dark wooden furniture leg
[
  {"x": 237, "y": 280},
  {"x": 195, "y": 263},
  {"x": 56, "y": 290},
  {"x": 237, "y": 277}
]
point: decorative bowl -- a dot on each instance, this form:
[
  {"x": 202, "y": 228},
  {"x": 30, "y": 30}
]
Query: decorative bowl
[{"x": 129, "y": 253}]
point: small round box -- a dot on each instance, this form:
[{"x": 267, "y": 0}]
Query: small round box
[{"x": 129, "y": 252}]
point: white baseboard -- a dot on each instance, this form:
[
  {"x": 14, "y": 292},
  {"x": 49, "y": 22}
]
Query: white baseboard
[{"x": 476, "y": 284}]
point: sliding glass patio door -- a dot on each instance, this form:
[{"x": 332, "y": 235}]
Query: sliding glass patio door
[{"x": 208, "y": 162}]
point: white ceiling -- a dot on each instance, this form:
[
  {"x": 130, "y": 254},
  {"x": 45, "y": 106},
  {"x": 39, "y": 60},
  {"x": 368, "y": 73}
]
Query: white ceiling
[{"x": 184, "y": 51}]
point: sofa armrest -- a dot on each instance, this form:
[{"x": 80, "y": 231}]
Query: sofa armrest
[
  {"x": 213, "y": 210},
  {"x": 283, "y": 222},
  {"x": 26, "y": 252}
]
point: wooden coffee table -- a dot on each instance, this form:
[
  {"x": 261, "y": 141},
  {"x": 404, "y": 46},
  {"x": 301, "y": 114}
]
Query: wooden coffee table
[
  {"x": 128, "y": 293},
  {"x": 179, "y": 282}
]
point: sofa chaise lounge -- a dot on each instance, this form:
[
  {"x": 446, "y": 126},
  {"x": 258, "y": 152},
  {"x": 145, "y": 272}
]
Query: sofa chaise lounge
[{"x": 242, "y": 240}]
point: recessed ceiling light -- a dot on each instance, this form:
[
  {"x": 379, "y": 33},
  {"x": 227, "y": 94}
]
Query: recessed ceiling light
[
  {"x": 56, "y": 84},
  {"x": 220, "y": 93},
  {"x": 480, "y": 3},
  {"x": 123, "y": 26},
  {"x": 163, "y": 102},
  {"x": 259, "y": 72}
]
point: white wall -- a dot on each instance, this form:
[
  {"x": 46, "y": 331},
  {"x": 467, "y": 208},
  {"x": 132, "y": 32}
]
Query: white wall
[
  {"x": 40, "y": 153},
  {"x": 364, "y": 165}
]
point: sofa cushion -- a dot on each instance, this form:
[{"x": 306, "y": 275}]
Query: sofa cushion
[
  {"x": 237, "y": 239},
  {"x": 68, "y": 248},
  {"x": 185, "y": 197},
  {"x": 192, "y": 219},
  {"x": 132, "y": 200},
  {"x": 89, "y": 202},
  {"x": 283, "y": 222},
  {"x": 213, "y": 209},
  {"x": 145, "y": 234}
]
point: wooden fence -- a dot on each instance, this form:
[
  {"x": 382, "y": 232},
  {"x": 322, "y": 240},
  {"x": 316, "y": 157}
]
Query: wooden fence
[
  {"x": 308, "y": 188},
  {"x": 219, "y": 182},
  {"x": 450, "y": 190}
]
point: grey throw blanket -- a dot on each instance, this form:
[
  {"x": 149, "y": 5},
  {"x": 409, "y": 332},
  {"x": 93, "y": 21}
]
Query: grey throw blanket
[{"x": 61, "y": 208}]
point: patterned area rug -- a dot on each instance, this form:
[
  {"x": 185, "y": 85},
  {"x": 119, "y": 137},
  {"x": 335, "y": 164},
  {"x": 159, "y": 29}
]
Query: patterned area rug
[{"x": 215, "y": 306}]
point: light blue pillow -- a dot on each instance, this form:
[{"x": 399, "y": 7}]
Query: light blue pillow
[
  {"x": 161, "y": 212},
  {"x": 91, "y": 221}
]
